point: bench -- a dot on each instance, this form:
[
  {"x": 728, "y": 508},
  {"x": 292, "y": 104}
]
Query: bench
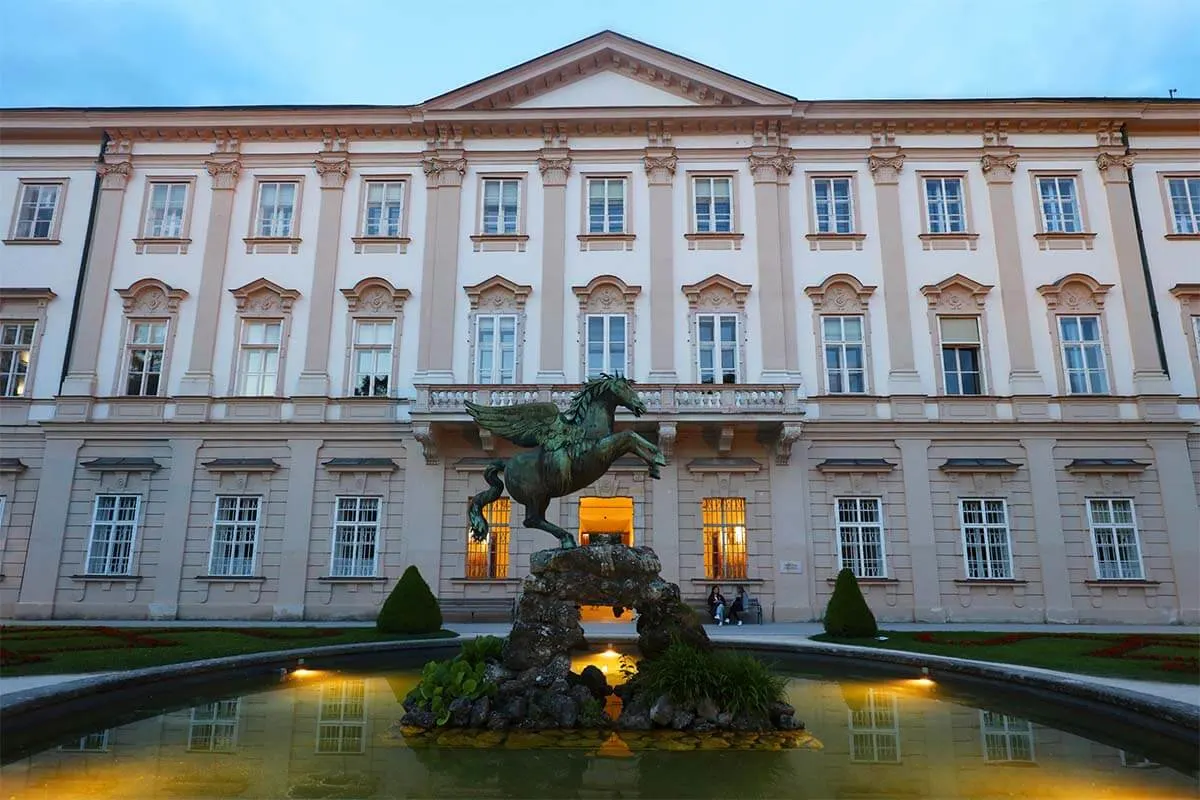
[
  {"x": 478, "y": 609},
  {"x": 753, "y": 612}
]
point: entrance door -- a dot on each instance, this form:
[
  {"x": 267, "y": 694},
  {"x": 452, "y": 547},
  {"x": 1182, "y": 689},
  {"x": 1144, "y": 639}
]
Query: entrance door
[{"x": 605, "y": 515}]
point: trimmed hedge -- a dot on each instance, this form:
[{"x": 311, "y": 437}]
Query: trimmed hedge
[
  {"x": 411, "y": 607},
  {"x": 848, "y": 616}
]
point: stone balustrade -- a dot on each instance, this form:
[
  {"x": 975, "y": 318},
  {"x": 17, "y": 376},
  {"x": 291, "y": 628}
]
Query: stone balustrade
[{"x": 660, "y": 399}]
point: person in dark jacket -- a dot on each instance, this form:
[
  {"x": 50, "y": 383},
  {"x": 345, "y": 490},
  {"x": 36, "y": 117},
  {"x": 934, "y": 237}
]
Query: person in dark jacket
[
  {"x": 716, "y": 604},
  {"x": 740, "y": 601}
]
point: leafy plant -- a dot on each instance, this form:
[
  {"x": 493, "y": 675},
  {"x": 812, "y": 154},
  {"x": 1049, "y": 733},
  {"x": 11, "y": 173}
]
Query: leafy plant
[
  {"x": 482, "y": 649},
  {"x": 410, "y": 608},
  {"x": 848, "y": 616},
  {"x": 735, "y": 682},
  {"x": 443, "y": 682},
  {"x": 591, "y": 713}
]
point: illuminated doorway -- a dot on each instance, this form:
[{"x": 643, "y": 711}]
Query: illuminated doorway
[{"x": 608, "y": 516}]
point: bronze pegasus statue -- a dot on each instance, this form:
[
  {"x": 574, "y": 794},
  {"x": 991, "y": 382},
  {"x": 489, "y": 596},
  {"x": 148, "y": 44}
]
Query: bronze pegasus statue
[{"x": 574, "y": 448}]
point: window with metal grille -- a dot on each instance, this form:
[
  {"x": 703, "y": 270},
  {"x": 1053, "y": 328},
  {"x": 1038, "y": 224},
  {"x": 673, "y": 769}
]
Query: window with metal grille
[
  {"x": 714, "y": 204},
  {"x": 214, "y": 727},
  {"x": 91, "y": 743},
  {"x": 356, "y": 537},
  {"x": 875, "y": 729},
  {"x": 833, "y": 205},
  {"x": 606, "y": 205},
  {"x": 1083, "y": 355},
  {"x": 985, "y": 533},
  {"x": 146, "y": 350},
  {"x": 845, "y": 355},
  {"x": 501, "y": 206},
  {"x": 114, "y": 529},
  {"x": 164, "y": 214},
  {"x": 860, "y": 536},
  {"x": 1005, "y": 738},
  {"x": 607, "y": 352},
  {"x": 235, "y": 535},
  {"x": 724, "y": 535},
  {"x": 276, "y": 209},
  {"x": 1185, "y": 204},
  {"x": 384, "y": 210},
  {"x": 945, "y": 209},
  {"x": 1059, "y": 204},
  {"x": 342, "y": 717},
  {"x": 373, "y": 341},
  {"x": 16, "y": 353},
  {"x": 489, "y": 559},
  {"x": 1115, "y": 539}
]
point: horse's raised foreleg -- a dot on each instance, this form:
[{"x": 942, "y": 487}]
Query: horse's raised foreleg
[
  {"x": 535, "y": 517},
  {"x": 622, "y": 442}
]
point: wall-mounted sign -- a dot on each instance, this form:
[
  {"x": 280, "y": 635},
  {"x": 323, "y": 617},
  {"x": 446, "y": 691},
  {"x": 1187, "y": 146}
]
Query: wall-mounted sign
[{"x": 791, "y": 567}]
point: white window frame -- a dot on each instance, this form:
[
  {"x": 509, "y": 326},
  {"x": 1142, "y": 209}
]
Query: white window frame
[
  {"x": 385, "y": 229},
  {"x": 245, "y": 348},
  {"x": 222, "y": 720},
  {"x": 989, "y": 569},
  {"x": 712, "y": 221},
  {"x": 881, "y": 725},
  {"x": 110, "y": 545},
  {"x": 341, "y": 722},
  {"x": 1187, "y": 221},
  {"x": 276, "y": 226},
  {"x": 826, "y": 216},
  {"x": 1004, "y": 731},
  {"x": 89, "y": 743},
  {"x": 155, "y": 226},
  {"x": 500, "y": 225},
  {"x": 132, "y": 345},
  {"x": 1136, "y": 566},
  {"x": 356, "y": 543},
  {"x": 719, "y": 346},
  {"x": 496, "y": 375},
  {"x": 1062, "y": 222},
  {"x": 938, "y": 216},
  {"x": 233, "y": 535},
  {"x": 843, "y": 372},
  {"x": 606, "y": 366},
  {"x": 38, "y": 205},
  {"x": 383, "y": 353},
  {"x": 1083, "y": 345},
  {"x": 14, "y": 382},
  {"x": 958, "y": 345},
  {"x": 608, "y": 218},
  {"x": 853, "y": 535}
]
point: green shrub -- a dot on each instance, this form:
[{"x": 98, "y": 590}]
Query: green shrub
[
  {"x": 736, "y": 682},
  {"x": 443, "y": 682},
  {"x": 410, "y": 608},
  {"x": 848, "y": 616},
  {"x": 482, "y": 649},
  {"x": 591, "y": 713}
]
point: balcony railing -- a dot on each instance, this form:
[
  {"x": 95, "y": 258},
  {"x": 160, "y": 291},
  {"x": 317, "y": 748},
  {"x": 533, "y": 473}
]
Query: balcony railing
[{"x": 675, "y": 399}]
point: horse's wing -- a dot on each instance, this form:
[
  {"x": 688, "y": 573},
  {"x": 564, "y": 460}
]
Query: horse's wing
[{"x": 525, "y": 425}]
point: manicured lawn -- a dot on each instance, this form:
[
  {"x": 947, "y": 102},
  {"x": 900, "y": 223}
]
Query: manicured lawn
[
  {"x": 1152, "y": 657},
  {"x": 48, "y": 649}
]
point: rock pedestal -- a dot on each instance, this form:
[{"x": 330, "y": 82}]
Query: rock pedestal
[{"x": 547, "y": 623}]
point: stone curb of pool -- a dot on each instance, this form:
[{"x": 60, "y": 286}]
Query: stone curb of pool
[{"x": 1173, "y": 712}]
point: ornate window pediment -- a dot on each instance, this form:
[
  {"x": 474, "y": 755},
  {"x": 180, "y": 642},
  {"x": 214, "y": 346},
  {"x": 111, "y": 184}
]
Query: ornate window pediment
[
  {"x": 262, "y": 297},
  {"x": 1075, "y": 293},
  {"x": 717, "y": 329},
  {"x": 607, "y": 294},
  {"x": 716, "y": 293},
  {"x": 840, "y": 294},
  {"x": 957, "y": 294},
  {"x": 151, "y": 297},
  {"x": 607, "y": 323},
  {"x": 376, "y": 295},
  {"x": 498, "y": 293},
  {"x": 496, "y": 329}
]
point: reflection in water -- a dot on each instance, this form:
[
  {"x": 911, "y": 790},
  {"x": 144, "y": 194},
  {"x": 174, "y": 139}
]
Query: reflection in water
[{"x": 336, "y": 736}]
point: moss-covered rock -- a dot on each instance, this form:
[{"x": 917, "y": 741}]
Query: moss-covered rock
[{"x": 848, "y": 616}]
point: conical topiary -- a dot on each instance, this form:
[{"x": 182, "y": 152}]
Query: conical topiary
[
  {"x": 410, "y": 608},
  {"x": 848, "y": 616}
]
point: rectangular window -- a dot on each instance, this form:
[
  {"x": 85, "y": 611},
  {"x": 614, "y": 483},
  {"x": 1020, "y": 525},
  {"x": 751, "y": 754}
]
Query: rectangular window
[
  {"x": 985, "y": 539},
  {"x": 496, "y": 348},
  {"x": 501, "y": 206},
  {"x": 1060, "y": 204},
  {"x": 833, "y": 205},
  {"x": 214, "y": 727},
  {"x": 1083, "y": 355},
  {"x": 147, "y": 347},
  {"x": 962, "y": 357},
  {"x": 945, "y": 207},
  {"x": 16, "y": 353},
  {"x": 875, "y": 729},
  {"x": 37, "y": 211},
  {"x": 1115, "y": 539},
  {"x": 1005, "y": 738},
  {"x": 714, "y": 204},
  {"x": 384, "y": 211},
  {"x": 724, "y": 537},
  {"x": 164, "y": 216},
  {"x": 258, "y": 364},
  {"x": 489, "y": 559},
  {"x": 235, "y": 536},
  {"x": 342, "y": 717},
  {"x": 373, "y": 341},
  {"x": 355, "y": 538},
  {"x": 1184, "y": 194},
  {"x": 717, "y": 335},
  {"x": 607, "y": 345},
  {"x": 91, "y": 743},
  {"x": 860, "y": 536},
  {"x": 845, "y": 355},
  {"x": 114, "y": 529},
  {"x": 276, "y": 209},
  {"x": 606, "y": 205}
]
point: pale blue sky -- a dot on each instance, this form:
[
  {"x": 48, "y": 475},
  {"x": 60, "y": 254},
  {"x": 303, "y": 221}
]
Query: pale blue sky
[{"x": 229, "y": 52}]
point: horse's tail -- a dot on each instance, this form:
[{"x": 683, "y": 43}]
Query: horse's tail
[{"x": 479, "y": 525}]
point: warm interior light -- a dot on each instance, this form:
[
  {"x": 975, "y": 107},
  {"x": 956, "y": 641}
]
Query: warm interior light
[
  {"x": 739, "y": 534},
  {"x": 304, "y": 672},
  {"x": 610, "y": 653}
]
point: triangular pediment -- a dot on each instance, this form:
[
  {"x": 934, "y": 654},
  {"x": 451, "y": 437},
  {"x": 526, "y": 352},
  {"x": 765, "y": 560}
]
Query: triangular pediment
[{"x": 607, "y": 70}]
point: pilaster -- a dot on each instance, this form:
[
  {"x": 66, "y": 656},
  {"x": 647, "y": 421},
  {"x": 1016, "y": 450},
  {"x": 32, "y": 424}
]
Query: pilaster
[
  {"x": 771, "y": 168},
  {"x": 169, "y": 571},
  {"x": 297, "y": 529},
  {"x": 424, "y": 490},
  {"x": 554, "y": 163},
  {"x": 43, "y": 559},
  {"x": 1047, "y": 521},
  {"x": 922, "y": 537},
  {"x": 659, "y": 162},
  {"x": 795, "y": 597},
  {"x": 1180, "y": 502},
  {"x": 333, "y": 167},
  {"x": 444, "y": 170}
]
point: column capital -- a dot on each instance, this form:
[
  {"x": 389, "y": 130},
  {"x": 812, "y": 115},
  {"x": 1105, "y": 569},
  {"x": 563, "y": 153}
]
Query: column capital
[
  {"x": 660, "y": 165},
  {"x": 999, "y": 167},
  {"x": 224, "y": 172},
  {"x": 1114, "y": 166},
  {"x": 771, "y": 167},
  {"x": 115, "y": 174},
  {"x": 443, "y": 170},
  {"x": 885, "y": 165},
  {"x": 333, "y": 168},
  {"x": 555, "y": 165}
]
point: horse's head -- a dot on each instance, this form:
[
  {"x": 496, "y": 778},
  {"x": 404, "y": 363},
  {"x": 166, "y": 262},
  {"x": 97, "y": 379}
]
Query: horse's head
[{"x": 619, "y": 390}]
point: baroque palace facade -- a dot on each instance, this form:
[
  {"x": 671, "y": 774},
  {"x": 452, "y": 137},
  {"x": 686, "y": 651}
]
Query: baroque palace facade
[{"x": 951, "y": 345}]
